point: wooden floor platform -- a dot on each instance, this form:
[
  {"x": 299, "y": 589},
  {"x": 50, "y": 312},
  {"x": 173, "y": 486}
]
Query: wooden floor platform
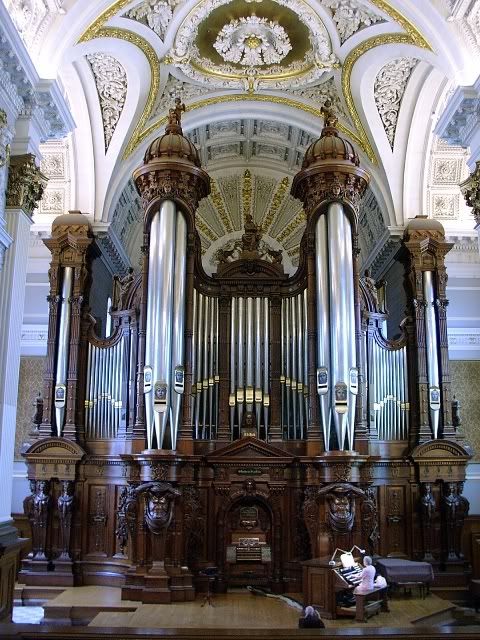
[{"x": 103, "y": 607}]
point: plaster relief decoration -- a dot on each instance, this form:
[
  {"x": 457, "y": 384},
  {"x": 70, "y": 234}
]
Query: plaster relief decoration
[
  {"x": 271, "y": 44},
  {"x": 350, "y": 16},
  {"x": 32, "y": 18},
  {"x": 111, "y": 82},
  {"x": 321, "y": 93},
  {"x": 446, "y": 169},
  {"x": 371, "y": 225},
  {"x": 172, "y": 89},
  {"x": 389, "y": 88},
  {"x": 55, "y": 166},
  {"x": 126, "y": 224},
  {"x": 155, "y": 14},
  {"x": 253, "y": 41}
]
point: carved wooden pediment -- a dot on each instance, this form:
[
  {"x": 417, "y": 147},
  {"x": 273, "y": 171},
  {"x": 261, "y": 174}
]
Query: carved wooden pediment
[
  {"x": 441, "y": 460},
  {"x": 53, "y": 458},
  {"x": 440, "y": 450},
  {"x": 250, "y": 448}
]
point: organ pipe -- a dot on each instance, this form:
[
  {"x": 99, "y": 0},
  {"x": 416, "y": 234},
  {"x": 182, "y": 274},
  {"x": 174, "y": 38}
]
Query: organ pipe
[
  {"x": 63, "y": 349},
  {"x": 177, "y": 363},
  {"x": 258, "y": 358},
  {"x": 324, "y": 373},
  {"x": 266, "y": 363},
  {"x": 431, "y": 340},
  {"x": 339, "y": 318},
  {"x": 233, "y": 352}
]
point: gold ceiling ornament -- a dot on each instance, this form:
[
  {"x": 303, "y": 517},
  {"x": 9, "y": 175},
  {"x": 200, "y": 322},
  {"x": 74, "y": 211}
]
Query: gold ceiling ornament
[
  {"x": 247, "y": 194},
  {"x": 277, "y": 200},
  {"x": 205, "y": 229},
  {"x": 219, "y": 205},
  {"x": 412, "y": 36},
  {"x": 292, "y": 226}
]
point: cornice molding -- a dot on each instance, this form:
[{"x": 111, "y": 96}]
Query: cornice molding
[{"x": 28, "y": 93}]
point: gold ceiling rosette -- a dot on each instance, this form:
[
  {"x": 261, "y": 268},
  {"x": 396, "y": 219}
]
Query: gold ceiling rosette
[{"x": 274, "y": 44}]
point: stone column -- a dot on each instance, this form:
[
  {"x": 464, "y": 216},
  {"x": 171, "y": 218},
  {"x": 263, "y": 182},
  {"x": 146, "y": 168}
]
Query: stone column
[
  {"x": 24, "y": 190},
  {"x": 5, "y": 139}
]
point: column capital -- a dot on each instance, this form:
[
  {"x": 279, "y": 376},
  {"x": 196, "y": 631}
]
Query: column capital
[
  {"x": 471, "y": 192},
  {"x": 25, "y": 184}
]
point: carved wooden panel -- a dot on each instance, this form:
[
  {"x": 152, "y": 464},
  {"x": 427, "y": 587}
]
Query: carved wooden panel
[
  {"x": 97, "y": 520},
  {"x": 395, "y": 521}
]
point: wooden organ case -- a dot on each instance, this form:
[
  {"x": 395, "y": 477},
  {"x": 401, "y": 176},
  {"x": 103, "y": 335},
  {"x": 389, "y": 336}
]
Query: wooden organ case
[{"x": 248, "y": 420}]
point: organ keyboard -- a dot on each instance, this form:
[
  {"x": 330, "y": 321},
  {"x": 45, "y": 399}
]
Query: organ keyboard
[{"x": 347, "y": 577}]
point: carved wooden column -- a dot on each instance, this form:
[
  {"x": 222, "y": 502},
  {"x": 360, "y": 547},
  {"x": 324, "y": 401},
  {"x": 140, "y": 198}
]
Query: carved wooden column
[
  {"x": 424, "y": 240},
  {"x": 427, "y": 513},
  {"x": 68, "y": 244}
]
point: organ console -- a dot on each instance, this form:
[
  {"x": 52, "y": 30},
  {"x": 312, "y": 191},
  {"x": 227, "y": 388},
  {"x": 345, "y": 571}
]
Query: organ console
[{"x": 269, "y": 412}]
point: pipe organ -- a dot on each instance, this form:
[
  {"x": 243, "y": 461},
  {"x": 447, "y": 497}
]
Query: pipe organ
[{"x": 222, "y": 408}]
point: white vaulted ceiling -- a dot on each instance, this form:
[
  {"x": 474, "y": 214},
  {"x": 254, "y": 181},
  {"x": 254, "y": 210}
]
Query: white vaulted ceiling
[{"x": 387, "y": 67}]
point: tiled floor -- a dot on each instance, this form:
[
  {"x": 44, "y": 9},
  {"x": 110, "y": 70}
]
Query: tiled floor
[{"x": 27, "y": 615}]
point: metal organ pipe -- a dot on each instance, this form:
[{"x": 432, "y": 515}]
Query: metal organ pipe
[
  {"x": 249, "y": 355},
  {"x": 431, "y": 339},
  {"x": 240, "y": 365},
  {"x": 199, "y": 386},
  {"x": 194, "y": 351},
  {"x": 324, "y": 373},
  {"x": 158, "y": 353},
  {"x": 233, "y": 362},
  {"x": 305, "y": 357},
  {"x": 300, "y": 380},
  {"x": 63, "y": 349},
  {"x": 339, "y": 318},
  {"x": 207, "y": 302},
  {"x": 352, "y": 381},
  {"x": 266, "y": 364},
  {"x": 177, "y": 362},
  {"x": 258, "y": 359}
]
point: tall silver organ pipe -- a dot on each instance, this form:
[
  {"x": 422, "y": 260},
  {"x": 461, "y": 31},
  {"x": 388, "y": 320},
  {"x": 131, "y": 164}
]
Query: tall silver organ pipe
[
  {"x": 194, "y": 352},
  {"x": 199, "y": 343},
  {"x": 339, "y": 318},
  {"x": 324, "y": 380},
  {"x": 266, "y": 363},
  {"x": 63, "y": 349},
  {"x": 233, "y": 351},
  {"x": 177, "y": 362},
  {"x": 294, "y": 367},
  {"x": 305, "y": 357},
  {"x": 240, "y": 360},
  {"x": 352, "y": 381},
  {"x": 258, "y": 358},
  {"x": 431, "y": 339},
  {"x": 205, "y": 366},
  {"x": 158, "y": 348},
  {"x": 249, "y": 355}
]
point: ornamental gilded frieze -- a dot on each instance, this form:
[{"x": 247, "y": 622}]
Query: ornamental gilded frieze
[{"x": 26, "y": 183}]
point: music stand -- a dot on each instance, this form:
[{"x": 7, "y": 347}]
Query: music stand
[{"x": 211, "y": 574}]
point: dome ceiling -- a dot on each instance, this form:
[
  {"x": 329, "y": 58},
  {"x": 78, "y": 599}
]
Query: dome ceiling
[{"x": 254, "y": 76}]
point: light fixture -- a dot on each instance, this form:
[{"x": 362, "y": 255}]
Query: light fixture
[{"x": 345, "y": 556}]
